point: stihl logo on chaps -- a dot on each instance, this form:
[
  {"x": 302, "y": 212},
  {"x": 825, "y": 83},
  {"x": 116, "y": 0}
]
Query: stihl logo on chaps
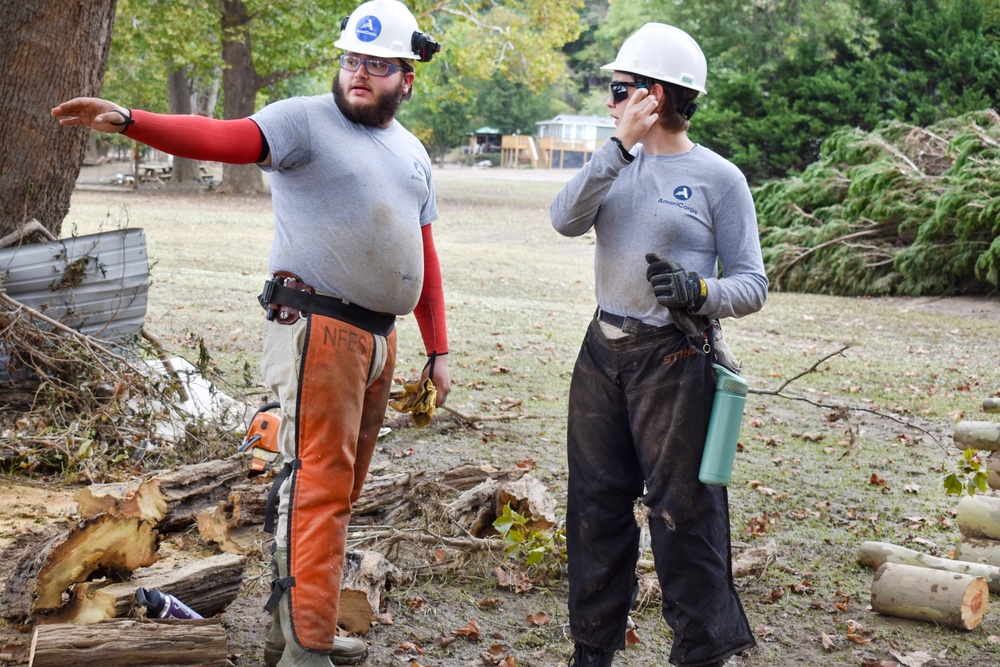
[
  {"x": 344, "y": 338},
  {"x": 677, "y": 356}
]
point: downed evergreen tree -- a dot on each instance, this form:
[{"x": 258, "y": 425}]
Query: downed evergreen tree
[{"x": 902, "y": 210}]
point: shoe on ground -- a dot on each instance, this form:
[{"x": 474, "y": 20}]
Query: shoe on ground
[
  {"x": 346, "y": 651},
  {"x": 588, "y": 656}
]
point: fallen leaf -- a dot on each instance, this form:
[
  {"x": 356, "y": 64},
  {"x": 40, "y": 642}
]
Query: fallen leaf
[
  {"x": 631, "y": 637},
  {"x": 541, "y": 618},
  {"x": 828, "y": 642},
  {"x": 470, "y": 629},
  {"x": 490, "y": 602}
]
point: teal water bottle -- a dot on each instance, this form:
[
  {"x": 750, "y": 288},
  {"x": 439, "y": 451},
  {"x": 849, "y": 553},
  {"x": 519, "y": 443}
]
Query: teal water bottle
[{"x": 723, "y": 427}]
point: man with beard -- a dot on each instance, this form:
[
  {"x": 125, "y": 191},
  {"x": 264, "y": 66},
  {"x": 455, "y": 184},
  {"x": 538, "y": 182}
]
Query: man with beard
[{"x": 353, "y": 203}]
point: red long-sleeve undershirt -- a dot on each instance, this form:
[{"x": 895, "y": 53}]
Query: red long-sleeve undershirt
[
  {"x": 430, "y": 308},
  {"x": 198, "y": 137}
]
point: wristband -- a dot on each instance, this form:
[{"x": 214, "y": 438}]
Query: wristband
[{"x": 625, "y": 154}]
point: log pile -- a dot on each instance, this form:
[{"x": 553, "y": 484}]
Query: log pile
[
  {"x": 76, "y": 584},
  {"x": 952, "y": 592}
]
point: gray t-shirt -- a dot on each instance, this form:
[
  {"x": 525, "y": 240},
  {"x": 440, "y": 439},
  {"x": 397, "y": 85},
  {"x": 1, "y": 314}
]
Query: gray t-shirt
[
  {"x": 349, "y": 201},
  {"x": 694, "y": 208}
]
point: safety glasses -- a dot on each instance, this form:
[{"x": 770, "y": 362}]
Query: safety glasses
[
  {"x": 619, "y": 89},
  {"x": 373, "y": 66}
]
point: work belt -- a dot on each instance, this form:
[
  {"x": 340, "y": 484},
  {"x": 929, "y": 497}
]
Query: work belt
[
  {"x": 286, "y": 299},
  {"x": 627, "y": 324}
]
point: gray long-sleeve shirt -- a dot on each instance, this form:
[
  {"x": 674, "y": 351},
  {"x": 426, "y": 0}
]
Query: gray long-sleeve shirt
[{"x": 694, "y": 208}]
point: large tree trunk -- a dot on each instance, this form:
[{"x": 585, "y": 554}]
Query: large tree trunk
[
  {"x": 50, "y": 51},
  {"x": 180, "y": 93},
  {"x": 239, "y": 88},
  {"x": 945, "y": 598}
]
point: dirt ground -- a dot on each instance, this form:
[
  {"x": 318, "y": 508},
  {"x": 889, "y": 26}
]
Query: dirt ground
[{"x": 530, "y": 629}]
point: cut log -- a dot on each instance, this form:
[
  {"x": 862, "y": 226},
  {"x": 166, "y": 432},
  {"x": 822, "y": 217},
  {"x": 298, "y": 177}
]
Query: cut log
[
  {"x": 945, "y": 598},
  {"x": 464, "y": 477},
  {"x": 219, "y": 526},
  {"x": 993, "y": 470},
  {"x": 876, "y": 554},
  {"x": 366, "y": 575},
  {"x": 979, "y": 516},
  {"x": 978, "y": 435},
  {"x": 39, "y": 578},
  {"x": 126, "y": 642},
  {"x": 170, "y": 500},
  {"x": 978, "y": 550},
  {"x": 207, "y": 586},
  {"x": 991, "y": 405},
  {"x": 386, "y": 499}
]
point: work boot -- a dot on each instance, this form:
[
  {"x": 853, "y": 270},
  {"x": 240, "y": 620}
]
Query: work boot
[
  {"x": 588, "y": 656},
  {"x": 281, "y": 649}
]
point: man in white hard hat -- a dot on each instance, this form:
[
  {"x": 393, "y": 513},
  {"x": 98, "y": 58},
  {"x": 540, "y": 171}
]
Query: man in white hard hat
[
  {"x": 353, "y": 204},
  {"x": 667, "y": 214}
]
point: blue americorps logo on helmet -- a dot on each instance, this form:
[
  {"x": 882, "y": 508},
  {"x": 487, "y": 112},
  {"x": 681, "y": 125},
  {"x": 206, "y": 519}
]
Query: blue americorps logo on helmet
[
  {"x": 682, "y": 192},
  {"x": 368, "y": 28}
]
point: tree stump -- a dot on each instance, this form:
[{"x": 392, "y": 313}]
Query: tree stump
[
  {"x": 41, "y": 576},
  {"x": 875, "y": 554},
  {"x": 978, "y": 435},
  {"x": 993, "y": 470},
  {"x": 979, "y": 516},
  {"x": 991, "y": 405},
  {"x": 366, "y": 575},
  {"x": 126, "y": 643},
  {"x": 945, "y": 598}
]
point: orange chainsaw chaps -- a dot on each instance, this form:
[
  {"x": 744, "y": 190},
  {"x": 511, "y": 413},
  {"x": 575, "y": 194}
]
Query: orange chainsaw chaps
[{"x": 338, "y": 422}]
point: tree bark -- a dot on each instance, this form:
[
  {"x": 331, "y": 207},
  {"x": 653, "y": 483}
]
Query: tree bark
[
  {"x": 945, "y": 598},
  {"x": 978, "y": 550},
  {"x": 979, "y": 516},
  {"x": 124, "y": 643},
  {"x": 978, "y": 435},
  {"x": 207, "y": 586},
  {"x": 50, "y": 51},
  {"x": 180, "y": 93},
  {"x": 171, "y": 500},
  {"x": 240, "y": 84},
  {"x": 876, "y": 554},
  {"x": 993, "y": 470},
  {"x": 235, "y": 525},
  {"x": 41, "y": 575}
]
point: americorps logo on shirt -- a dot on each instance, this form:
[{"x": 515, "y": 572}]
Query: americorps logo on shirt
[
  {"x": 419, "y": 176},
  {"x": 682, "y": 193},
  {"x": 368, "y": 28}
]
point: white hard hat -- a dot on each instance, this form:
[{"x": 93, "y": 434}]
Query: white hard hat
[
  {"x": 665, "y": 53},
  {"x": 385, "y": 29}
]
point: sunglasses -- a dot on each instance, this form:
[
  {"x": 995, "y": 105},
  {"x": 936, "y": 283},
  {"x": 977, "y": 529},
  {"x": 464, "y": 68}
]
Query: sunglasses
[
  {"x": 619, "y": 89},
  {"x": 373, "y": 66}
]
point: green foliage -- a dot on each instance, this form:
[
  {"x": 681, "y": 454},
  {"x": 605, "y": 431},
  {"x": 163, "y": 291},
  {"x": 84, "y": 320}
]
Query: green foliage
[
  {"x": 521, "y": 541},
  {"x": 970, "y": 475},
  {"x": 902, "y": 210}
]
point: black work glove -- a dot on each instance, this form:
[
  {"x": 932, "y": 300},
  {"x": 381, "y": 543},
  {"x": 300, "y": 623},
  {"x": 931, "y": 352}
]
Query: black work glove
[{"x": 673, "y": 286}]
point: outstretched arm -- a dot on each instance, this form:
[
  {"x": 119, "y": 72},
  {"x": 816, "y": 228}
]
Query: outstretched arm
[{"x": 196, "y": 137}]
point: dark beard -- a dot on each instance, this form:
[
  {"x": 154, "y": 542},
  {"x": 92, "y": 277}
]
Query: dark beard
[{"x": 379, "y": 114}]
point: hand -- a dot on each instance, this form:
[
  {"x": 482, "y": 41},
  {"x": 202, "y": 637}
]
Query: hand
[
  {"x": 673, "y": 286},
  {"x": 97, "y": 114},
  {"x": 639, "y": 115},
  {"x": 441, "y": 378}
]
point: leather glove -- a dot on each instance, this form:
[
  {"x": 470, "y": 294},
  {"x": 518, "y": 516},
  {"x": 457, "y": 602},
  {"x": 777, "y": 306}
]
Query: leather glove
[
  {"x": 417, "y": 398},
  {"x": 673, "y": 286}
]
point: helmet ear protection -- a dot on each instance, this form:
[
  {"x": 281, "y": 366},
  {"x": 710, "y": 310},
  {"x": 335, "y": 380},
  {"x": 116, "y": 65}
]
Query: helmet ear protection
[
  {"x": 421, "y": 44},
  {"x": 424, "y": 46}
]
